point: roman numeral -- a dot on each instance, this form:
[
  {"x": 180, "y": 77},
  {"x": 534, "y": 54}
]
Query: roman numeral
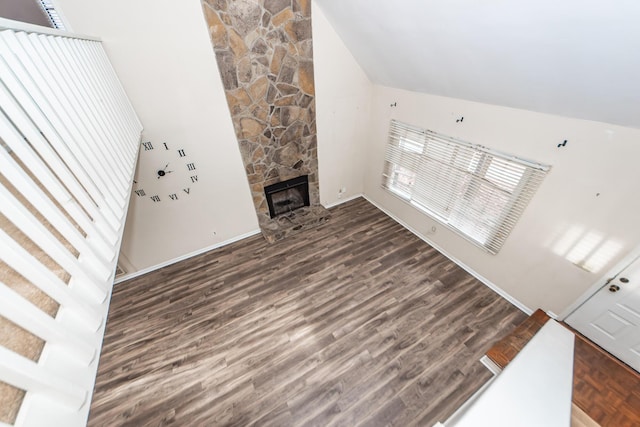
[
  {"x": 191, "y": 166},
  {"x": 140, "y": 192},
  {"x": 155, "y": 198},
  {"x": 147, "y": 146},
  {"x": 186, "y": 190},
  {"x": 173, "y": 196},
  {"x": 166, "y": 147},
  {"x": 194, "y": 178},
  {"x": 181, "y": 153}
]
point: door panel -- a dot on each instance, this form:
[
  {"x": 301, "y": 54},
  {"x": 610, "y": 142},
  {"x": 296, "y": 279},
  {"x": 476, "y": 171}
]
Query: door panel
[{"x": 611, "y": 317}]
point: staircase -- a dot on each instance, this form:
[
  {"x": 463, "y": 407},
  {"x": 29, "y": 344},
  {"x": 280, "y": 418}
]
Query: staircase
[{"x": 68, "y": 146}]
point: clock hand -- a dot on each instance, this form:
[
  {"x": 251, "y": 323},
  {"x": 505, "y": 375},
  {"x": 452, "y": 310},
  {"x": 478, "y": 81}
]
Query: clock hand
[{"x": 163, "y": 172}]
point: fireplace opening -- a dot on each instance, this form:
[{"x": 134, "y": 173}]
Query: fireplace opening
[{"x": 287, "y": 196}]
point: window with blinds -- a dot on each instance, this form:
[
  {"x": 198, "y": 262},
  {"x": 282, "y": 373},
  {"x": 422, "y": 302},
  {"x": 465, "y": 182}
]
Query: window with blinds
[
  {"x": 476, "y": 191},
  {"x": 53, "y": 15}
]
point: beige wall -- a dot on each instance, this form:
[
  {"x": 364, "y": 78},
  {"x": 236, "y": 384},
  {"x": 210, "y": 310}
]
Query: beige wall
[
  {"x": 343, "y": 99},
  {"x": 585, "y": 210},
  {"x": 24, "y": 11},
  {"x": 162, "y": 54}
]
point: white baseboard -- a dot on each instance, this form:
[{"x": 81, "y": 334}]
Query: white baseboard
[
  {"x": 469, "y": 270},
  {"x": 465, "y": 267},
  {"x": 552, "y": 315},
  {"x": 490, "y": 365},
  {"x": 138, "y": 273},
  {"x": 183, "y": 257},
  {"x": 341, "y": 201}
]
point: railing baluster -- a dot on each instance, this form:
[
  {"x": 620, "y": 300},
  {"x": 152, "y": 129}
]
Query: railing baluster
[
  {"x": 35, "y": 195},
  {"x": 23, "y": 111},
  {"x": 22, "y": 373},
  {"x": 29, "y": 267},
  {"x": 75, "y": 135},
  {"x": 31, "y": 318}
]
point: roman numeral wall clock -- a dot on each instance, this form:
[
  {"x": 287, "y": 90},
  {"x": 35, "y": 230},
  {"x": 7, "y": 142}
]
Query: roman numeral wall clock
[{"x": 170, "y": 176}]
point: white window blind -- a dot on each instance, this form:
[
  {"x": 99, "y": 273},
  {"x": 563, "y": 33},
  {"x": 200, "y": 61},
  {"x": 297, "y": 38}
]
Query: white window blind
[
  {"x": 478, "y": 192},
  {"x": 50, "y": 10}
]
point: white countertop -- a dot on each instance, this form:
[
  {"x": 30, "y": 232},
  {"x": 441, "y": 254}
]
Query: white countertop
[{"x": 534, "y": 390}]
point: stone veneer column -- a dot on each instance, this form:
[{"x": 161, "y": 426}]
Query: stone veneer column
[{"x": 265, "y": 56}]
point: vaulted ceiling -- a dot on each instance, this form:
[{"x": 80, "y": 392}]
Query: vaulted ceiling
[{"x": 574, "y": 58}]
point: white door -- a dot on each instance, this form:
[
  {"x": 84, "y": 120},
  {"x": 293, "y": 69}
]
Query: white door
[{"x": 611, "y": 317}]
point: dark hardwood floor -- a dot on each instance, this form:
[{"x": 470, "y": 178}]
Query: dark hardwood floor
[{"x": 357, "y": 322}]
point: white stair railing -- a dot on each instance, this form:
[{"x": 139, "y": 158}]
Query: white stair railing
[{"x": 69, "y": 141}]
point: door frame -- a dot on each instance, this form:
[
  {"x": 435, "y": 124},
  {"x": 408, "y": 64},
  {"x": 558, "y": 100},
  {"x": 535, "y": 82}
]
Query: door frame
[{"x": 624, "y": 262}]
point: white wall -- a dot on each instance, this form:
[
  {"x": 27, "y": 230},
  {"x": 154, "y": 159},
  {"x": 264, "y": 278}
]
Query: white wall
[
  {"x": 24, "y": 11},
  {"x": 570, "y": 58},
  {"x": 162, "y": 54},
  {"x": 586, "y": 209},
  {"x": 343, "y": 99}
]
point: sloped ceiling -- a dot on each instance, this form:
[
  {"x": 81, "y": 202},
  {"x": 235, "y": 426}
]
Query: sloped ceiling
[{"x": 574, "y": 58}]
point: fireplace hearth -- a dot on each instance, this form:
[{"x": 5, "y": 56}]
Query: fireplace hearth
[{"x": 290, "y": 210}]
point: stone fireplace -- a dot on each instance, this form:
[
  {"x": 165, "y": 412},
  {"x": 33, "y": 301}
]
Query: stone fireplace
[{"x": 265, "y": 56}]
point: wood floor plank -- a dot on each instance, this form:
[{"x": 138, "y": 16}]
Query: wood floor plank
[{"x": 356, "y": 322}]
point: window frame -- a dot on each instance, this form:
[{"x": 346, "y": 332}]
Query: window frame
[{"x": 469, "y": 177}]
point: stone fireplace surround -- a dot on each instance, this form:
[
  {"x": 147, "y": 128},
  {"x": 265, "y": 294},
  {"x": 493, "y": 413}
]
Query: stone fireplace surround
[{"x": 265, "y": 56}]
